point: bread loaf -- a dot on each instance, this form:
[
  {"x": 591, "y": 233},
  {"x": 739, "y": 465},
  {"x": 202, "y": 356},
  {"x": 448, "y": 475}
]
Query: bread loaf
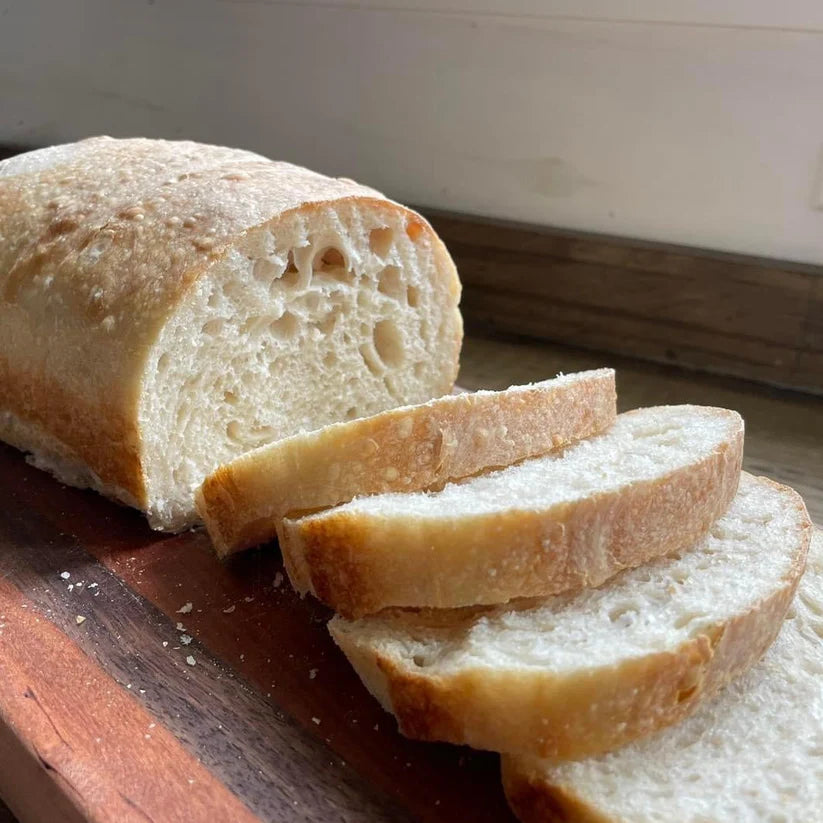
[
  {"x": 403, "y": 449},
  {"x": 167, "y": 306}
]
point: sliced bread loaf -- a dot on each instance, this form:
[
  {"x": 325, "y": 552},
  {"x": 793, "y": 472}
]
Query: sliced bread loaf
[
  {"x": 650, "y": 485},
  {"x": 754, "y": 754},
  {"x": 403, "y": 449},
  {"x": 167, "y": 306},
  {"x": 580, "y": 674}
]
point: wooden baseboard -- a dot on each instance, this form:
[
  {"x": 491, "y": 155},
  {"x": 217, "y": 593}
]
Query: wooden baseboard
[{"x": 729, "y": 314}]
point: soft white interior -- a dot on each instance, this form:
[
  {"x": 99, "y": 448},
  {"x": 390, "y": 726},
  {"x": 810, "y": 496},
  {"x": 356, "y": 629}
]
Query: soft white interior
[
  {"x": 640, "y": 445},
  {"x": 753, "y": 755},
  {"x": 646, "y": 610},
  {"x": 329, "y": 314}
]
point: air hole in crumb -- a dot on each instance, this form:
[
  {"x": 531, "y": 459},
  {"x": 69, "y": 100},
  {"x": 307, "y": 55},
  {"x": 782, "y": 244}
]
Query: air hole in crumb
[
  {"x": 331, "y": 263},
  {"x": 330, "y": 258},
  {"x": 414, "y": 229},
  {"x": 256, "y": 435},
  {"x": 380, "y": 241},
  {"x": 390, "y": 283},
  {"x": 419, "y": 370},
  {"x": 291, "y": 275},
  {"x": 231, "y": 398},
  {"x": 388, "y": 342},
  {"x": 285, "y": 327},
  {"x": 163, "y": 361},
  {"x": 371, "y": 359},
  {"x": 214, "y": 299},
  {"x": 351, "y": 413},
  {"x": 329, "y": 359},
  {"x": 233, "y": 289},
  {"x": 619, "y": 612},
  {"x": 213, "y": 326},
  {"x": 363, "y": 299},
  {"x": 413, "y": 296},
  {"x": 419, "y": 660}
]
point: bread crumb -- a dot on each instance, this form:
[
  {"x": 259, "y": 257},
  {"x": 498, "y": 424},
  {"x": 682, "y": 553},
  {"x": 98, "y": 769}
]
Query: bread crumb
[
  {"x": 313, "y": 673},
  {"x": 316, "y": 721},
  {"x": 71, "y": 587},
  {"x": 180, "y": 627},
  {"x": 93, "y": 585},
  {"x": 191, "y": 661},
  {"x": 376, "y": 727},
  {"x": 165, "y": 643},
  {"x": 185, "y": 608},
  {"x": 248, "y": 599},
  {"x": 185, "y": 639},
  {"x": 229, "y": 610},
  {"x": 79, "y": 619},
  {"x": 278, "y": 580},
  {"x": 65, "y": 575}
]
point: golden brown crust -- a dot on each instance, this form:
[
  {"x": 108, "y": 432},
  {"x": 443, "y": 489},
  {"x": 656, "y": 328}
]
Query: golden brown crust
[
  {"x": 359, "y": 564},
  {"x": 533, "y": 801},
  {"x": 405, "y": 449},
  {"x": 574, "y": 716},
  {"x": 102, "y": 240}
]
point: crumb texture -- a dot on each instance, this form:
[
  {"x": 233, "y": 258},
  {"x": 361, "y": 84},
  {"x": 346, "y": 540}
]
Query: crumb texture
[
  {"x": 754, "y": 754},
  {"x": 654, "y": 608}
]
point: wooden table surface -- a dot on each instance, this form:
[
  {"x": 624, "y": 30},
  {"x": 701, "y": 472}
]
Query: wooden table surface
[{"x": 109, "y": 713}]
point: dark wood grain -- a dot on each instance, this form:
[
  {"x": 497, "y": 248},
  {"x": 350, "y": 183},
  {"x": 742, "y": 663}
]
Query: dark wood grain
[
  {"x": 731, "y": 314},
  {"x": 266, "y": 670},
  {"x": 75, "y": 746}
]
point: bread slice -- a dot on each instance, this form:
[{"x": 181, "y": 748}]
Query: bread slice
[
  {"x": 581, "y": 674},
  {"x": 167, "y": 306},
  {"x": 649, "y": 486},
  {"x": 754, "y": 754},
  {"x": 404, "y": 449}
]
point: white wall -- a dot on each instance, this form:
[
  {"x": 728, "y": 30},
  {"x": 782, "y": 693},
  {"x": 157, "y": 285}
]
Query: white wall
[{"x": 699, "y": 123}]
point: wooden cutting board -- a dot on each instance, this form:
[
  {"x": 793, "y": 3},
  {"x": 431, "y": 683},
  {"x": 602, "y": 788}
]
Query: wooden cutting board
[{"x": 143, "y": 680}]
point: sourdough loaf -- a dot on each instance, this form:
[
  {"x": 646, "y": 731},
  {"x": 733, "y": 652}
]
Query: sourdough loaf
[{"x": 167, "y": 306}]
